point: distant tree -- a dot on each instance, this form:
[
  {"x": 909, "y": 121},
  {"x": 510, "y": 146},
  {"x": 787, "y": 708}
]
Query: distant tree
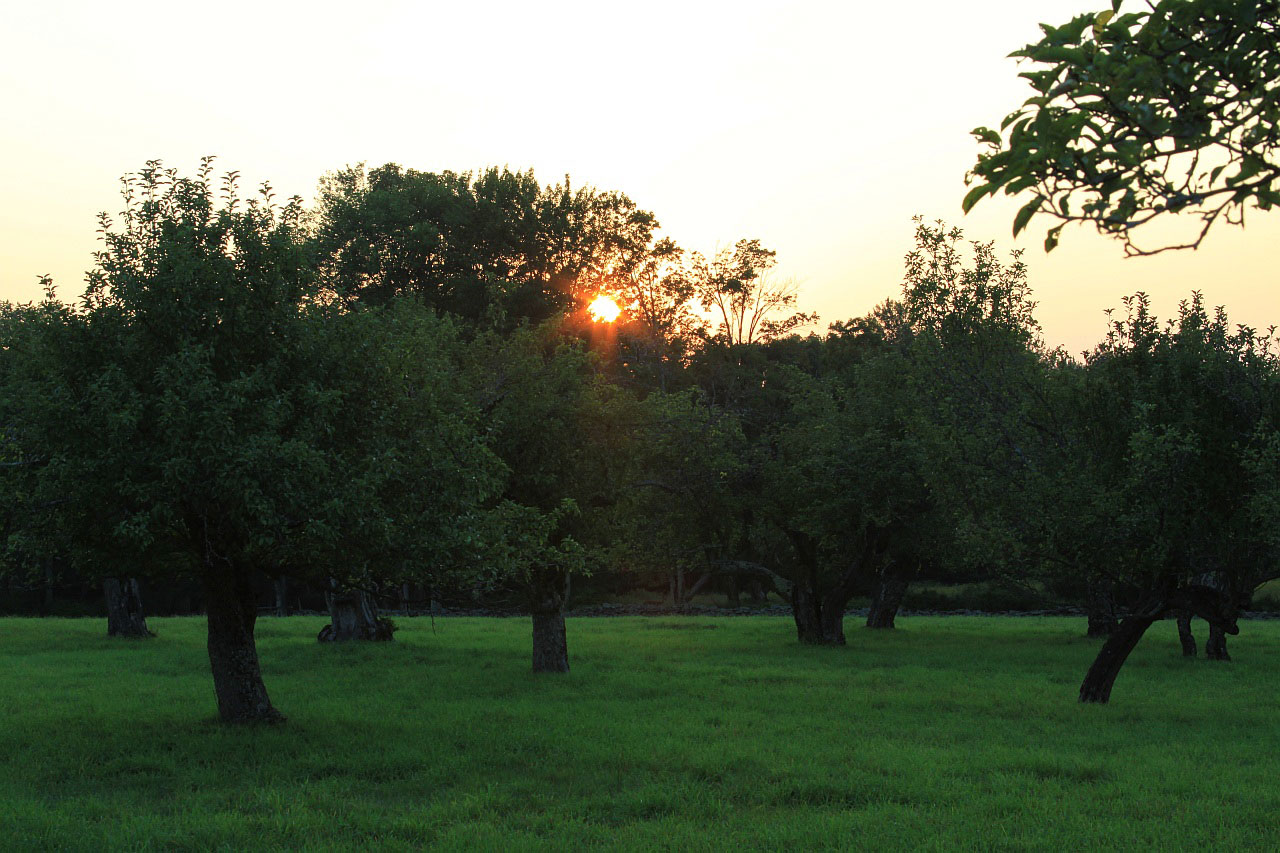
[
  {"x": 495, "y": 247},
  {"x": 680, "y": 515},
  {"x": 402, "y": 433},
  {"x": 1171, "y": 109},
  {"x": 747, "y": 304},
  {"x": 660, "y": 328}
]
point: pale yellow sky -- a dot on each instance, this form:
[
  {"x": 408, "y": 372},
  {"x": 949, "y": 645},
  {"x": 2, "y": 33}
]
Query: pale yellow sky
[{"x": 820, "y": 128}]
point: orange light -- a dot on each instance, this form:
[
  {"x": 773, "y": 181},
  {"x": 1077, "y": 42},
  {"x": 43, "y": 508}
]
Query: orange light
[{"x": 603, "y": 309}]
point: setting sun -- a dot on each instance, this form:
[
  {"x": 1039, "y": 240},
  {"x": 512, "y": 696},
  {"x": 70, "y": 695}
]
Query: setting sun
[{"x": 603, "y": 309}]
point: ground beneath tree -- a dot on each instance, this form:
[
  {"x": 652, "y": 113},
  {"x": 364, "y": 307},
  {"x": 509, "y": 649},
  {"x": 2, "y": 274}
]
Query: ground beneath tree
[{"x": 668, "y": 733}]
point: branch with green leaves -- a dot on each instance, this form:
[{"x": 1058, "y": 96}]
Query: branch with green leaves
[{"x": 1170, "y": 110}]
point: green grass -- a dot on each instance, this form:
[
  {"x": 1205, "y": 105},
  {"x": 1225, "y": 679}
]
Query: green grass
[{"x": 680, "y": 734}]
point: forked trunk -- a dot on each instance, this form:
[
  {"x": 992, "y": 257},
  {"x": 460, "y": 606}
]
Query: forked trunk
[
  {"x": 233, "y": 655},
  {"x": 1100, "y": 606},
  {"x": 891, "y": 588},
  {"x": 353, "y": 615},
  {"x": 1102, "y": 675},
  {"x": 550, "y": 642},
  {"x": 1185, "y": 636},
  {"x": 125, "y": 617},
  {"x": 1215, "y": 648}
]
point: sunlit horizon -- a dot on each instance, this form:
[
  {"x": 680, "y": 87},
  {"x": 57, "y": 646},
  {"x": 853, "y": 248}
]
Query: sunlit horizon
[{"x": 813, "y": 128}]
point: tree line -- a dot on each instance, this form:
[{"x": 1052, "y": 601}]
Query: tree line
[{"x": 401, "y": 385}]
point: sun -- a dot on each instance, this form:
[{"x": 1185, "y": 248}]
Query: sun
[{"x": 603, "y": 309}]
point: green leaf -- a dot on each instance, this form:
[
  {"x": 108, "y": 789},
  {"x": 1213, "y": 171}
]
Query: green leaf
[
  {"x": 987, "y": 135},
  {"x": 1051, "y": 239},
  {"x": 1024, "y": 216},
  {"x": 975, "y": 195}
]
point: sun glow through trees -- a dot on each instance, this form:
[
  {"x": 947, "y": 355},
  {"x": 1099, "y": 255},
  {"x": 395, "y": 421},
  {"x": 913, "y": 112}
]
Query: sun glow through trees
[{"x": 603, "y": 309}]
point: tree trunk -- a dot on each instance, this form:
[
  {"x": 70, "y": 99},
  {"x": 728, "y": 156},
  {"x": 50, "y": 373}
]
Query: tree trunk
[
  {"x": 550, "y": 642},
  {"x": 832, "y": 617},
  {"x": 806, "y": 608},
  {"x": 1102, "y": 675},
  {"x": 233, "y": 655},
  {"x": 735, "y": 592},
  {"x": 891, "y": 587},
  {"x": 281, "y": 585},
  {"x": 1185, "y": 636},
  {"x": 1215, "y": 648},
  {"x": 353, "y": 615},
  {"x": 125, "y": 617},
  {"x": 1100, "y": 605}
]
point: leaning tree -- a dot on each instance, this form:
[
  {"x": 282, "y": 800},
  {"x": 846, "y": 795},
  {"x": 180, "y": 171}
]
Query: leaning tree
[{"x": 1189, "y": 413}]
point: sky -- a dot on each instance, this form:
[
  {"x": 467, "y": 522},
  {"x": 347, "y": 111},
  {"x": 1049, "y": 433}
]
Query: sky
[{"x": 820, "y": 128}]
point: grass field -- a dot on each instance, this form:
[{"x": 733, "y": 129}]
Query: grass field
[{"x": 670, "y": 733}]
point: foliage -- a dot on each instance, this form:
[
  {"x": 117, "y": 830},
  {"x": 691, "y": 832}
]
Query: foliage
[
  {"x": 974, "y": 365},
  {"x": 204, "y": 402},
  {"x": 495, "y": 247},
  {"x": 562, "y": 435},
  {"x": 1173, "y": 109},
  {"x": 747, "y": 303},
  {"x": 1196, "y": 403},
  {"x": 682, "y": 511}
]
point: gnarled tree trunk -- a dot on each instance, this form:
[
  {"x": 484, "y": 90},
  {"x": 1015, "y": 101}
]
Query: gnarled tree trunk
[
  {"x": 1185, "y": 637},
  {"x": 353, "y": 615},
  {"x": 125, "y": 617},
  {"x": 1206, "y": 602},
  {"x": 1100, "y": 607},
  {"x": 233, "y": 656},
  {"x": 550, "y": 590}
]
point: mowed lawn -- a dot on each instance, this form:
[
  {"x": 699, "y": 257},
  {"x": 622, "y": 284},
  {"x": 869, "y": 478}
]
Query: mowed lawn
[{"x": 670, "y": 733}]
